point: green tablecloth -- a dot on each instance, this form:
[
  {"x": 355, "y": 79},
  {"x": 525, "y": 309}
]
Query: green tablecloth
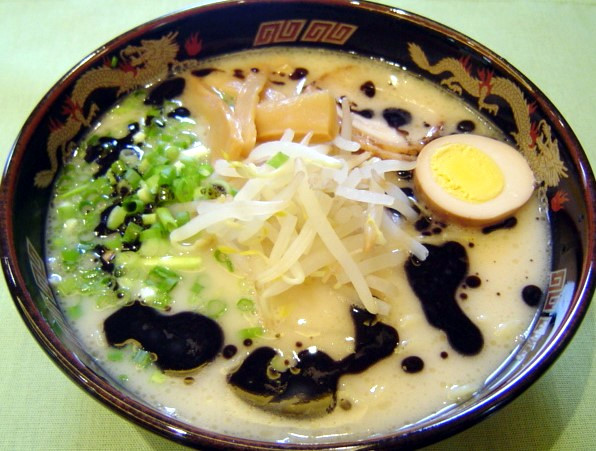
[{"x": 552, "y": 42}]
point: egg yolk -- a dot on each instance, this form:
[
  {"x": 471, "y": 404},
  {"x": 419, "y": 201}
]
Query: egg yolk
[{"x": 467, "y": 173}]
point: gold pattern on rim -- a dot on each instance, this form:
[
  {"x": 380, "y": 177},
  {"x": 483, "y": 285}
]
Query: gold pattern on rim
[
  {"x": 136, "y": 66},
  {"x": 534, "y": 139}
]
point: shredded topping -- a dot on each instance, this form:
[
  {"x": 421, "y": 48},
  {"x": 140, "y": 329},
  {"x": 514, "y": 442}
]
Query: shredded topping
[{"x": 307, "y": 210}]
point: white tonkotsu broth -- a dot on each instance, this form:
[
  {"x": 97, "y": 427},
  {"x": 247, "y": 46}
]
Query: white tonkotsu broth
[{"x": 313, "y": 315}]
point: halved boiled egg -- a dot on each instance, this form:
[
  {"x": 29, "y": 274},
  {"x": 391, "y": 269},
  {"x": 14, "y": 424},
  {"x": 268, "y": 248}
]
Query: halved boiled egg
[{"x": 473, "y": 179}]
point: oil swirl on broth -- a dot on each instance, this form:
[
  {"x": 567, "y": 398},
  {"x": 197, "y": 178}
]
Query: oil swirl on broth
[{"x": 199, "y": 349}]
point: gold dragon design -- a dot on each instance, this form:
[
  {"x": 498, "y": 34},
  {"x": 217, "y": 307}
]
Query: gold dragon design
[
  {"x": 136, "y": 66},
  {"x": 534, "y": 139}
]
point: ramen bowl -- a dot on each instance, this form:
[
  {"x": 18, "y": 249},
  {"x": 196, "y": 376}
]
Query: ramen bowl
[{"x": 425, "y": 48}]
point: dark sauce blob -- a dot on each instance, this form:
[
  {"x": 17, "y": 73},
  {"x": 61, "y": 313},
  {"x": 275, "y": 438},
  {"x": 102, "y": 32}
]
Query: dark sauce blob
[
  {"x": 435, "y": 281},
  {"x": 473, "y": 281},
  {"x": 412, "y": 364},
  {"x": 405, "y": 175},
  {"x": 466, "y": 126},
  {"x": 106, "y": 263},
  {"x": 203, "y": 72},
  {"x": 397, "y": 117},
  {"x": 107, "y": 150},
  {"x": 368, "y": 89},
  {"x": 299, "y": 72},
  {"x": 179, "y": 113},
  {"x": 422, "y": 224},
  {"x": 366, "y": 113},
  {"x": 166, "y": 90},
  {"x": 508, "y": 223},
  {"x": 531, "y": 295},
  {"x": 180, "y": 342},
  {"x": 229, "y": 351},
  {"x": 374, "y": 341},
  {"x": 444, "y": 354},
  {"x": 345, "y": 404},
  {"x": 247, "y": 342},
  {"x": 132, "y": 246},
  {"x": 309, "y": 387},
  {"x": 239, "y": 73}
]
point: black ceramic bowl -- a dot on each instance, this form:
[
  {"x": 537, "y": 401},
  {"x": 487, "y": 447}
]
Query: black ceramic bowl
[{"x": 437, "y": 53}]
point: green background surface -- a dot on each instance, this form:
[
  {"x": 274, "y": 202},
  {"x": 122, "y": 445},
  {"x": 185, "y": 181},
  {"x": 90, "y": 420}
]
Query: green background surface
[{"x": 552, "y": 42}]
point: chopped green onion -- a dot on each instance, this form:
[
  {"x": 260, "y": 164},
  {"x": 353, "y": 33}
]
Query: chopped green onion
[
  {"x": 66, "y": 211},
  {"x": 172, "y": 152},
  {"x": 131, "y": 233},
  {"x": 205, "y": 170},
  {"x": 149, "y": 218},
  {"x": 164, "y": 193},
  {"x": 67, "y": 286},
  {"x": 142, "y": 358},
  {"x": 90, "y": 274},
  {"x": 167, "y": 175},
  {"x": 182, "y": 262},
  {"x": 158, "y": 377},
  {"x": 145, "y": 193},
  {"x": 182, "y": 218},
  {"x": 105, "y": 300},
  {"x": 70, "y": 256},
  {"x": 133, "y": 206},
  {"x": 133, "y": 177},
  {"x": 197, "y": 287},
  {"x": 118, "y": 167},
  {"x": 215, "y": 308},
  {"x": 115, "y": 355},
  {"x": 95, "y": 187},
  {"x": 277, "y": 160},
  {"x": 74, "y": 311},
  {"x": 160, "y": 300},
  {"x": 153, "y": 247},
  {"x": 153, "y": 232},
  {"x": 166, "y": 219},
  {"x": 183, "y": 189},
  {"x": 162, "y": 278},
  {"x": 152, "y": 183},
  {"x": 251, "y": 332},
  {"x": 153, "y": 112},
  {"x": 224, "y": 259},
  {"x": 245, "y": 305},
  {"x": 93, "y": 139},
  {"x": 113, "y": 241},
  {"x": 116, "y": 217}
]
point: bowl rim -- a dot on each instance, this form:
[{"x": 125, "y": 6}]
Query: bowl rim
[{"x": 176, "y": 430}]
